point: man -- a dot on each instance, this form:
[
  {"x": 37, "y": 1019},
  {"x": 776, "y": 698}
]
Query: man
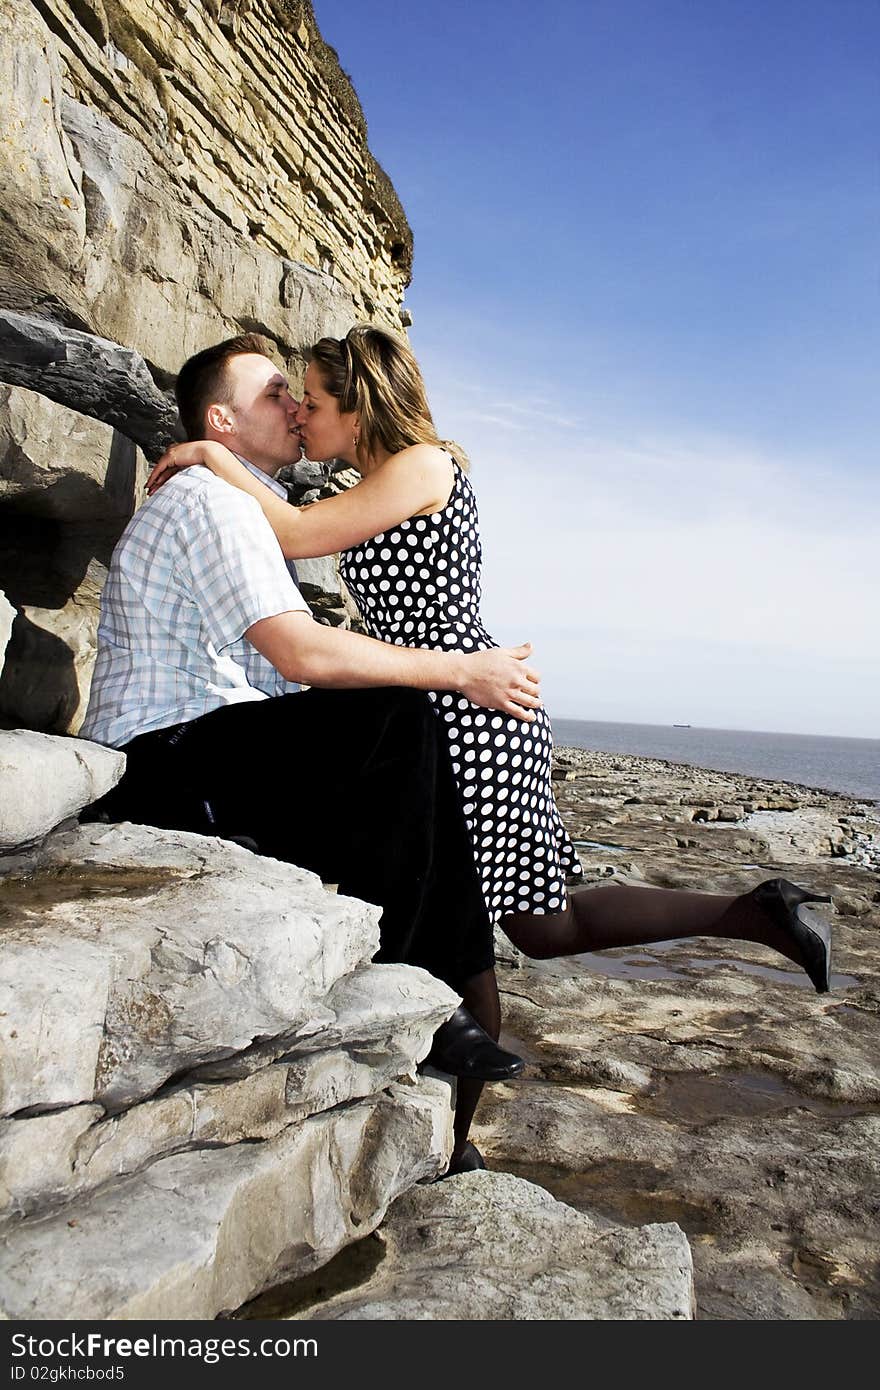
[{"x": 202, "y": 641}]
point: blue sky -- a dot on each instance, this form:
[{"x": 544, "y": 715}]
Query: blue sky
[{"x": 645, "y": 298}]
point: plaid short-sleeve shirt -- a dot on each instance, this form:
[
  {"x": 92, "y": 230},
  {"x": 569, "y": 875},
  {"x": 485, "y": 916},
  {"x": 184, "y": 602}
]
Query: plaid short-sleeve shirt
[{"x": 194, "y": 568}]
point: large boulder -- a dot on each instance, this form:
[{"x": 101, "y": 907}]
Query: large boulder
[
  {"x": 490, "y": 1246},
  {"x": 45, "y": 780}
]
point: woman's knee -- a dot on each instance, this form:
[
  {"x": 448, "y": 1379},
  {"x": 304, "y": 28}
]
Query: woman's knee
[
  {"x": 526, "y": 939},
  {"x": 539, "y": 935}
]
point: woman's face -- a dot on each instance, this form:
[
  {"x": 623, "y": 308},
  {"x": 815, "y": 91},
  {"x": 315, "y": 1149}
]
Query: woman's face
[{"x": 326, "y": 432}]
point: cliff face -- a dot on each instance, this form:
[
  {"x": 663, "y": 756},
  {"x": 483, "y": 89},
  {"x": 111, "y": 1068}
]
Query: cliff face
[
  {"x": 179, "y": 158},
  {"x": 172, "y": 172}
]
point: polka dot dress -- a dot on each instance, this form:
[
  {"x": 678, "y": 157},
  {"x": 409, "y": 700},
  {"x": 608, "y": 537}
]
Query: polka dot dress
[{"x": 419, "y": 586}]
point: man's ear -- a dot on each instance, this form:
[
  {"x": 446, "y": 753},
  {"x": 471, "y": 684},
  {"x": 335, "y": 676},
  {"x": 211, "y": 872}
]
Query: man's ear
[{"x": 219, "y": 418}]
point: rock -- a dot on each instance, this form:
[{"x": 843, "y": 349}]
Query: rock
[
  {"x": 307, "y": 473},
  {"x": 324, "y": 591},
  {"x": 45, "y": 780},
  {"x": 90, "y": 375},
  {"x": 51, "y": 656},
  {"x": 796, "y": 834},
  {"x": 319, "y": 579},
  {"x": 133, "y": 954},
  {"x": 169, "y": 276},
  {"x": 488, "y": 1246},
  {"x": 63, "y": 466},
  {"x": 371, "y": 1029},
  {"x": 68, "y": 485},
  {"x": 197, "y": 1234},
  {"x": 206, "y": 1084},
  {"x": 169, "y": 214},
  {"x": 145, "y": 218},
  {"x": 852, "y": 904},
  {"x": 42, "y": 211}
]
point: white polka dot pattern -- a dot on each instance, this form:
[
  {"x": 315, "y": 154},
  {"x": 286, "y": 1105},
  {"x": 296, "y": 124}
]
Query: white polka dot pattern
[{"x": 419, "y": 586}]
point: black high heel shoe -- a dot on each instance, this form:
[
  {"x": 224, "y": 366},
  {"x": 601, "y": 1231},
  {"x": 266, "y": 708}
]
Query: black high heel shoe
[{"x": 789, "y": 907}]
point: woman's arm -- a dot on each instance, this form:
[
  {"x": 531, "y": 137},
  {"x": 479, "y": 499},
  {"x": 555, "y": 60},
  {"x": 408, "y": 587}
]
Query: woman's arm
[{"x": 417, "y": 480}]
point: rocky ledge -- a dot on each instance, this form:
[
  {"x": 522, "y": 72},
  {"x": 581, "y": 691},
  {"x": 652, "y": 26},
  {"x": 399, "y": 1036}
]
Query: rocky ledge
[{"x": 205, "y": 1083}]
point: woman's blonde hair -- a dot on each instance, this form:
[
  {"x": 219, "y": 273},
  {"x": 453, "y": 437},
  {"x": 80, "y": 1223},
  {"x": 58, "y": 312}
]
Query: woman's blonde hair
[{"x": 374, "y": 373}]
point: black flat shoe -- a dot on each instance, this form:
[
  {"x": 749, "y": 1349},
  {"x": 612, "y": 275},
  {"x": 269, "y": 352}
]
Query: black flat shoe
[
  {"x": 462, "y": 1048},
  {"x": 789, "y": 907},
  {"x": 469, "y": 1161}
]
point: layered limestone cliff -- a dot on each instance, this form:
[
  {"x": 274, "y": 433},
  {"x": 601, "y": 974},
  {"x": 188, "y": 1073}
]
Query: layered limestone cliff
[
  {"x": 172, "y": 172},
  {"x": 175, "y": 165}
]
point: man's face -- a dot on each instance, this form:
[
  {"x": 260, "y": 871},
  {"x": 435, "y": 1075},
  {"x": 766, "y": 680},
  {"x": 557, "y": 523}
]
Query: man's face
[{"x": 262, "y": 413}]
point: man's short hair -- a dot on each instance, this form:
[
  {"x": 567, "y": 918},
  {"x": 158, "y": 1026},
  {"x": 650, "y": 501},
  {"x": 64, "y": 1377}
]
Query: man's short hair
[{"x": 203, "y": 380}]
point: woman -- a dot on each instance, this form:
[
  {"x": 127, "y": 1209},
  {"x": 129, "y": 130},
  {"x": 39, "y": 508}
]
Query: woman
[{"x": 410, "y": 554}]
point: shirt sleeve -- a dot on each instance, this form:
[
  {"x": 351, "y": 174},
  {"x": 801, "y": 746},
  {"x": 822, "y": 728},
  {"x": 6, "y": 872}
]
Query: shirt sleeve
[{"x": 236, "y": 570}]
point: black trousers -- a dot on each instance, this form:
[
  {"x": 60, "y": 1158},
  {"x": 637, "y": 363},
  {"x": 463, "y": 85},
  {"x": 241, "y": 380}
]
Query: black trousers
[{"x": 353, "y": 784}]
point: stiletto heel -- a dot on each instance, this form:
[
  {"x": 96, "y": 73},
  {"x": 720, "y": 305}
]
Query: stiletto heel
[{"x": 791, "y": 909}]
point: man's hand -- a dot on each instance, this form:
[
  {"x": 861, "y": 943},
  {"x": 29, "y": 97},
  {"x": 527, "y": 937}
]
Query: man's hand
[
  {"x": 303, "y": 650},
  {"x": 500, "y": 679}
]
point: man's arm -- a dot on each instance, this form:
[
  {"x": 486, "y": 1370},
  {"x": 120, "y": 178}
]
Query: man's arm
[{"x": 303, "y": 650}]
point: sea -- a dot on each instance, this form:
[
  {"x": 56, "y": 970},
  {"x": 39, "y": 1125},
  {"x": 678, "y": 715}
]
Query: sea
[{"x": 848, "y": 765}]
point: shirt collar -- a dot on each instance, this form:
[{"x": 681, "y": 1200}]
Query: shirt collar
[{"x": 278, "y": 488}]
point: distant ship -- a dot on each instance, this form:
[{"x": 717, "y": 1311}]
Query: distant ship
[{"x": 681, "y": 726}]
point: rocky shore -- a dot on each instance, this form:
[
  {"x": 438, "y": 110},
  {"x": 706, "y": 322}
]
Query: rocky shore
[
  {"x": 705, "y": 1082},
  {"x": 208, "y": 1108}
]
